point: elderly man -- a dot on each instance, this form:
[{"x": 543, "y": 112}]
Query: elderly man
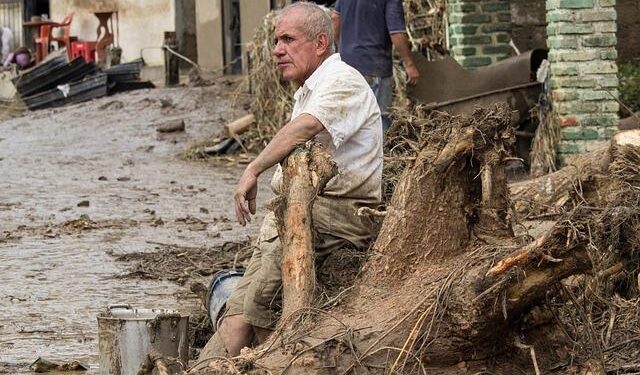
[{"x": 335, "y": 106}]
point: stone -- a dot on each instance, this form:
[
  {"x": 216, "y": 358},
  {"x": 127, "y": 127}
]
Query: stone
[
  {"x": 496, "y": 50},
  {"x": 575, "y": 4},
  {"x": 579, "y": 133},
  {"x": 463, "y": 51},
  {"x": 474, "y": 61},
  {"x": 463, "y": 29},
  {"x": 574, "y": 28},
  {"x": 599, "y": 67},
  {"x": 606, "y": 40},
  {"x": 496, "y": 6},
  {"x": 560, "y": 15},
  {"x": 563, "y": 42},
  {"x": 495, "y": 27},
  {"x": 598, "y": 15},
  {"x": 564, "y": 69},
  {"x": 564, "y": 95}
]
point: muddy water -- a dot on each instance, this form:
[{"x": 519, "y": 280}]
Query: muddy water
[{"x": 103, "y": 159}]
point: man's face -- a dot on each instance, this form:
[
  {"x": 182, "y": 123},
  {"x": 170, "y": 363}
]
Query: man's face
[{"x": 296, "y": 56}]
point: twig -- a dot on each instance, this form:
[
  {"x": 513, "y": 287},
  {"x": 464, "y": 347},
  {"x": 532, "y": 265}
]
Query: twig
[{"x": 532, "y": 353}]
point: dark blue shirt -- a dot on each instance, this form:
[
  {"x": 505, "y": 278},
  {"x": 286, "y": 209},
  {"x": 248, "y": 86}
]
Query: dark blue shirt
[{"x": 365, "y": 28}]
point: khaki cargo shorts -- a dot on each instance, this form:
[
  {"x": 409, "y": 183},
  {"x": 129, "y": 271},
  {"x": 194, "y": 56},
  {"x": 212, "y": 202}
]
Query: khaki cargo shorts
[{"x": 258, "y": 294}]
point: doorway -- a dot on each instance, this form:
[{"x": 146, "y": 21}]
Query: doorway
[{"x": 231, "y": 37}]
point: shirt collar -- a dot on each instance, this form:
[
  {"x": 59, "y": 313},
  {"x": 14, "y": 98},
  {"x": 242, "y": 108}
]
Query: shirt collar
[{"x": 315, "y": 77}]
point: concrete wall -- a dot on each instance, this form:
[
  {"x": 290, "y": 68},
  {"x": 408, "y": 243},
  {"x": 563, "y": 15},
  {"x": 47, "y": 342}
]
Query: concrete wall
[
  {"x": 209, "y": 33},
  {"x": 209, "y": 26},
  {"x": 186, "y": 29},
  {"x": 142, "y": 24}
]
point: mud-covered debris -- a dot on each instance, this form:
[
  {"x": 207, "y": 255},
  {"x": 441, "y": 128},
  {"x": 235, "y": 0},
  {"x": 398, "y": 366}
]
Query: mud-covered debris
[
  {"x": 171, "y": 126},
  {"x": 123, "y": 178},
  {"x": 84, "y": 203},
  {"x": 43, "y": 365},
  {"x": 204, "y": 210},
  {"x": 166, "y": 103},
  {"x": 102, "y": 178},
  {"x": 181, "y": 264}
]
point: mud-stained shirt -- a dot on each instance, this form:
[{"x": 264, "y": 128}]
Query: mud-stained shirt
[{"x": 339, "y": 97}]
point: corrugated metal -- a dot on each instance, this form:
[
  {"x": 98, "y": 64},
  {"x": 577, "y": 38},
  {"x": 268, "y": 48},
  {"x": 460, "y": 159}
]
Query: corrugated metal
[{"x": 11, "y": 17}]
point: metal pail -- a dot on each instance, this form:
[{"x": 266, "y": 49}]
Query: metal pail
[
  {"x": 125, "y": 336},
  {"x": 220, "y": 288}
]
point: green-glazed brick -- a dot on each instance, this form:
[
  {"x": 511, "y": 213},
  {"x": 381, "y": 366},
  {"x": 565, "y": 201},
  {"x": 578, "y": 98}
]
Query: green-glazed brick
[
  {"x": 609, "y": 106},
  {"x": 608, "y": 81},
  {"x": 504, "y": 17},
  {"x": 461, "y": 8},
  {"x": 607, "y": 3},
  {"x": 607, "y": 40},
  {"x": 574, "y": 28},
  {"x": 564, "y": 69},
  {"x": 575, "y": 107},
  {"x": 594, "y": 95},
  {"x": 495, "y": 7},
  {"x": 598, "y": 15},
  {"x": 474, "y": 61},
  {"x": 608, "y": 54},
  {"x": 563, "y": 42},
  {"x": 552, "y": 4},
  {"x": 462, "y": 18},
  {"x": 605, "y": 27},
  {"x": 600, "y": 120},
  {"x": 463, "y": 29},
  {"x": 503, "y": 38},
  {"x": 496, "y": 50},
  {"x": 579, "y": 133},
  {"x": 474, "y": 40},
  {"x": 574, "y": 82},
  {"x": 563, "y": 95},
  {"x": 575, "y": 55},
  {"x": 570, "y": 147},
  {"x": 495, "y": 27},
  {"x": 476, "y": 18},
  {"x": 576, "y": 4},
  {"x": 599, "y": 67},
  {"x": 561, "y": 15},
  {"x": 464, "y": 51}
]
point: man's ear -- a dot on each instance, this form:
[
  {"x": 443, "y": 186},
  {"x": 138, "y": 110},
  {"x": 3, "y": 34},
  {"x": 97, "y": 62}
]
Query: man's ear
[{"x": 322, "y": 44}]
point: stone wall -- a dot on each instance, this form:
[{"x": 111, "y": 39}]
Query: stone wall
[
  {"x": 529, "y": 24},
  {"x": 582, "y": 42},
  {"x": 479, "y": 31}
]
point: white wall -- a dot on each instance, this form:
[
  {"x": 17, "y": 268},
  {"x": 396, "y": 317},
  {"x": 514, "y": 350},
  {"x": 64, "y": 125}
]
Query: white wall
[{"x": 142, "y": 24}]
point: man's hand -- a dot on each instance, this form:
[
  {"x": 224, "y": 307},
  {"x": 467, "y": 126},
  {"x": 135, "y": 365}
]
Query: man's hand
[
  {"x": 245, "y": 196},
  {"x": 412, "y": 73}
]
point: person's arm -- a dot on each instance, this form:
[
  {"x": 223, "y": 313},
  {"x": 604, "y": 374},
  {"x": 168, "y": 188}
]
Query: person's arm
[
  {"x": 401, "y": 43},
  {"x": 297, "y": 131},
  {"x": 335, "y": 19}
]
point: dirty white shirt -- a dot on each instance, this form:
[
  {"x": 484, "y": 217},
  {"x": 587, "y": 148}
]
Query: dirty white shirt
[{"x": 339, "y": 97}]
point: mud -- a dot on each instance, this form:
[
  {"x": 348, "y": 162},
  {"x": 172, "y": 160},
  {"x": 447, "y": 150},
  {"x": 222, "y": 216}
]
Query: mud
[{"x": 82, "y": 186}]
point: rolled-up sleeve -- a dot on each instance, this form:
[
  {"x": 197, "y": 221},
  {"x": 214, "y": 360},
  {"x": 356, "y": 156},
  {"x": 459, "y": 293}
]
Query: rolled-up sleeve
[{"x": 394, "y": 15}]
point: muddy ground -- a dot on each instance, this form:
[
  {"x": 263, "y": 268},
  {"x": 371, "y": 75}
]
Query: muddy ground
[{"x": 83, "y": 190}]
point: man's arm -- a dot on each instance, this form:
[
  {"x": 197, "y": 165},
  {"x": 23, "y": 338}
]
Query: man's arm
[
  {"x": 401, "y": 42},
  {"x": 297, "y": 131},
  {"x": 335, "y": 19}
]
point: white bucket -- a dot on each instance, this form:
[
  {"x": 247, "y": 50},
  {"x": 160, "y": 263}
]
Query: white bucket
[{"x": 125, "y": 336}]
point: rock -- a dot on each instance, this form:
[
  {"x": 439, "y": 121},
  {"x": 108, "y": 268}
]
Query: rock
[
  {"x": 124, "y": 178},
  {"x": 84, "y": 203},
  {"x": 102, "y": 178}
]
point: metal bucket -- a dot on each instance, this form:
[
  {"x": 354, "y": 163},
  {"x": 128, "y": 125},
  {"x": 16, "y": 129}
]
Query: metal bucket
[
  {"x": 220, "y": 288},
  {"x": 125, "y": 336}
]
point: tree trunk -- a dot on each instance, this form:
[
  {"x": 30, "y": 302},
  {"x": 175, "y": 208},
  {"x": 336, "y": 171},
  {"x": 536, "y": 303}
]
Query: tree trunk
[
  {"x": 446, "y": 280},
  {"x": 305, "y": 173}
]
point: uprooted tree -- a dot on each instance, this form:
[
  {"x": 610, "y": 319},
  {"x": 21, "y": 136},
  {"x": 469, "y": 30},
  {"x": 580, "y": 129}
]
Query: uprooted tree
[{"x": 448, "y": 282}]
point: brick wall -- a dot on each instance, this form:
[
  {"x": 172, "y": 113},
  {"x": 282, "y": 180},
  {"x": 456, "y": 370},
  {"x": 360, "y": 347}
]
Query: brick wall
[
  {"x": 479, "y": 31},
  {"x": 582, "y": 43}
]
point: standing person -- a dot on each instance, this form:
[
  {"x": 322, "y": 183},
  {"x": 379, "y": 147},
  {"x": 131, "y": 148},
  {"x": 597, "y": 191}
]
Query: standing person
[
  {"x": 365, "y": 31},
  {"x": 334, "y": 106}
]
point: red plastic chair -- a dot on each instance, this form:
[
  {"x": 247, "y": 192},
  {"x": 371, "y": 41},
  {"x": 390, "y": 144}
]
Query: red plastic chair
[
  {"x": 42, "y": 42},
  {"x": 66, "y": 38}
]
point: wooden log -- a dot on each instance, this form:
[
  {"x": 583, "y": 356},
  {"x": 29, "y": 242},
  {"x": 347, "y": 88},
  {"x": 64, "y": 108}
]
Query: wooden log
[
  {"x": 239, "y": 126},
  {"x": 171, "y": 126},
  {"x": 305, "y": 173}
]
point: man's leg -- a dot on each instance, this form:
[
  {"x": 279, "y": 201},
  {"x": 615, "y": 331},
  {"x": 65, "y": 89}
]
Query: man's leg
[
  {"x": 233, "y": 334},
  {"x": 382, "y": 88}
]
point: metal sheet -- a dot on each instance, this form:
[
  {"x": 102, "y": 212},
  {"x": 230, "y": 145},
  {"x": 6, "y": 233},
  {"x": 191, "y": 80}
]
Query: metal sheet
[{"x": 445, "y": 80}]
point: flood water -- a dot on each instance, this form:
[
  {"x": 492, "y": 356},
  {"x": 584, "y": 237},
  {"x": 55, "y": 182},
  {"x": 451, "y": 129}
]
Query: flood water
[{"x": 103, "y": 159}]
